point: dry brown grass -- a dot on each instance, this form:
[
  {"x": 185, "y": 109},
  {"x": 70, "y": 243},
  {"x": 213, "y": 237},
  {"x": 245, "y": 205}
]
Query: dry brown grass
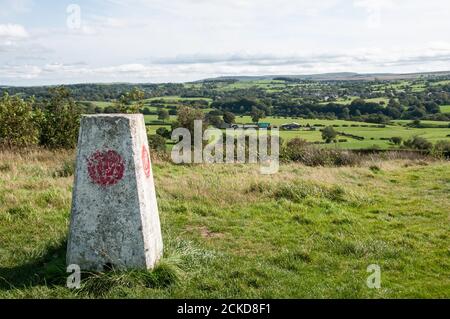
[{"x": 34, "y": 169}]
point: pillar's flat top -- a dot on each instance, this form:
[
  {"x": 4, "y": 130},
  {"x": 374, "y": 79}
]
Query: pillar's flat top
[{"x": 113, "y": 115}]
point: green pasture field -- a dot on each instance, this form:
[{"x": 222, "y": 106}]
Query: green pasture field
[
  {"x": 352, "y": 98},
  {"x": 262, "y": 84},
  {"x": 445, "y": 82},
  {"x": 445, "y": 108},
  {"x": 150, "y": 118},
  {"x": 167, "y": 100},
  {"x": 176, "y": 98},
  {"x": 399, "y": 86},
  {"x": 426, "y": 122},
  {"x": 101, "y": 104},
  {"x": 378, "y": 100},
  {"x": 281, "y": 120},
  {"x": 373, "y": 135},
  {"x": 342, "y": 101},
  {"x": 151, "y": 129}
]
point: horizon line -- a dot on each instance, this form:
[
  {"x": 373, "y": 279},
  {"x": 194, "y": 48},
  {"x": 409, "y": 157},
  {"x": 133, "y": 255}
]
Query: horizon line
[{"x": 223, "y": 77}]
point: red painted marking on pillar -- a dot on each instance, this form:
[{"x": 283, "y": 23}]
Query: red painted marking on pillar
[
  {"x": 146, "y": 162},
  {"x": 106, "y": 168}
]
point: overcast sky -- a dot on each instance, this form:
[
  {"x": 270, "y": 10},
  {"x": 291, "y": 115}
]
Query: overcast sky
[{"x": 55, "y": 42}]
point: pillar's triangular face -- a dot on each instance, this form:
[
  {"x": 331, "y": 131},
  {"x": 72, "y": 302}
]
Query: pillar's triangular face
[{"x": 115, "y": 220}]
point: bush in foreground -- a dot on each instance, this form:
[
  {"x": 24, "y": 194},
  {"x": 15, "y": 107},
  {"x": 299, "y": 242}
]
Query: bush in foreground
[
  {"x": 298, "y": 150},
  {"x": 17, "y": 122},
  {"x": 157, "y": 143},
  {"x": 419, "y": 143},
  {"x": 60, "y": 121},
  {"x": 442, "y": 149}
]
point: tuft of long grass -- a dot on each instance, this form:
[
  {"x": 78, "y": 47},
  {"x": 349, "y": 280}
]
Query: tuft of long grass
[
  {"x": 67, "y": 169},
  {"x": 297, "y": 191},
  {"x": 164, "y": 275},
  {"x": 180, "y": 257}
]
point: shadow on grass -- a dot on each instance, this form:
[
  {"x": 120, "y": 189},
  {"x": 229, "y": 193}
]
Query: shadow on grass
[{"x": 48, "y": 269}]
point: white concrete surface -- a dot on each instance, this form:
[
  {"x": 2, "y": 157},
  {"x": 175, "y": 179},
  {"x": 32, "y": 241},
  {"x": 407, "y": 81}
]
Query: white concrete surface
[{"x": 114, "y": 218}]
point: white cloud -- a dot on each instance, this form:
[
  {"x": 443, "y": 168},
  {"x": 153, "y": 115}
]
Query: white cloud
[
  {"x": 160, "y": 40},
  {"x": 186, "y": 68},
  {"x": 19, "y": 71},
  {"x": 12, "y": 31}
]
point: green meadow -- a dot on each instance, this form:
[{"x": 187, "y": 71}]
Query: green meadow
[
  {"x": 175, "y": 98},
  {"x": 101, "y": 104},
  {"x": 374, "y": 136},
  {"x": 230, "y": 232},
  {"x": 445, "y": 108}
]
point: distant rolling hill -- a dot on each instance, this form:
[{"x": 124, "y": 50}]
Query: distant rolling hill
[{"x": 343, "y": 76}]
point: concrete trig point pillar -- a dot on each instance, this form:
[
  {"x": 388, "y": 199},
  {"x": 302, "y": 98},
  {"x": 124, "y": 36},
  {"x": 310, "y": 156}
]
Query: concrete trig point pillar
[{"x": 115, "y": 221}]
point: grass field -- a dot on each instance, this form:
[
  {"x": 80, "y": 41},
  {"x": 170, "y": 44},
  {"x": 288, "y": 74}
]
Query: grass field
[
  {"x": 445, "y": 82},
  {"x": 352, "y": 98},
  {"x": 426, "y": 122},
  {"x": 385, "y": 100},
  {"x": 101, "y": 104},
  {"x": 167, "y": 99},
  {"x": 373, "y": 135},
  {"x": 230, "y": 232},
  {"x": 176, "y": 98},
  {"x": 278, "y": 121},
  {"x": 151, "y": 118},
  {"x": 445, "y": 108}
]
